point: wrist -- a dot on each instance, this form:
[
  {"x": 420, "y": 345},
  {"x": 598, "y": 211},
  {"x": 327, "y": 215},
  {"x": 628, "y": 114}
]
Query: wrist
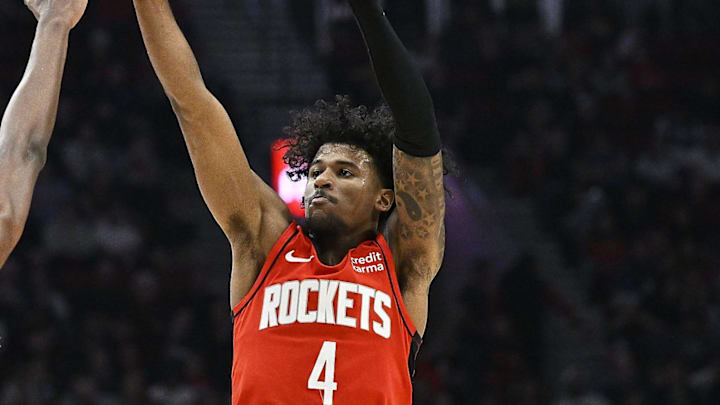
[{"x": 56, "y": 24}]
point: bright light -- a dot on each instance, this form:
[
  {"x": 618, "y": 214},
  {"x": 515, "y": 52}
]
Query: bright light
[{"x": 290, "y": 191}]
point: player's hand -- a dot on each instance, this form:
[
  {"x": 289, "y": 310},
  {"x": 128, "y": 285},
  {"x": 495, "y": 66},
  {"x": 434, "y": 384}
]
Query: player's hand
[{"x": 66, "y": 11}]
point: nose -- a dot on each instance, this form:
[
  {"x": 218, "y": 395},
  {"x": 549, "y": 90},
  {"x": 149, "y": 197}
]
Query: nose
[{"x": 323, "y": 180}]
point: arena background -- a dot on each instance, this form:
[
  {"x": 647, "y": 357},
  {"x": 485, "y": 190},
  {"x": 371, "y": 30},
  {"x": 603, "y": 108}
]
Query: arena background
[{"x": 582, "y": 263}]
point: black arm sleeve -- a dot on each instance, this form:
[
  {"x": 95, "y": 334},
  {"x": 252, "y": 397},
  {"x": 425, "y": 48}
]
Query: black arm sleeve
[{"x": 400, "y": 81}]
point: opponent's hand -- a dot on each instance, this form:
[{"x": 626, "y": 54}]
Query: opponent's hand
[{"x": 67, "y": 11}]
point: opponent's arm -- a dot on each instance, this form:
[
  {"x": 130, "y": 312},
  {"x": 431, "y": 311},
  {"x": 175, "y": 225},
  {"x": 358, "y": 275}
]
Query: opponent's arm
[
  {"x": 238, "y": 199},
  {"x": 416, "y": 228},
  {"x": 29, "y": 119}
]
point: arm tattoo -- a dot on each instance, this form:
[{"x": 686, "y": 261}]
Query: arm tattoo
[
  {"x": 419, "y": 230},
  {"x": 421, "y": 198},
  {"x": 412, "y": 207}
]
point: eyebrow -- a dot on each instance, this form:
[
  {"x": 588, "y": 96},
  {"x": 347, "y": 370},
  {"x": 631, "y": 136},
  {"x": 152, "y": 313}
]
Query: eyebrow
[{"x": 337, "y": 162}]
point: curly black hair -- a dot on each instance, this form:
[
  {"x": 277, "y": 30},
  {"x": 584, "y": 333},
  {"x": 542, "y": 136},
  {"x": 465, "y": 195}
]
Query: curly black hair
[
  {"x": 371, "y": 131},
  {"x": 340, "y": 122}
]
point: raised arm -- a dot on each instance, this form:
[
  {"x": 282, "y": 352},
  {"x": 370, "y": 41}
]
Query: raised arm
[
  {"x": 416, "y": 228},
  {"x": 29, "y": 119},
  {"x": 235, "y": 195},
  {"x": 250, "y": 213}
]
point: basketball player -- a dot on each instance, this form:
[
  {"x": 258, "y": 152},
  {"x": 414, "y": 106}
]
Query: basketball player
[
  {"x": 333, "y": 313},
  {"x": 30, "y": 116}
]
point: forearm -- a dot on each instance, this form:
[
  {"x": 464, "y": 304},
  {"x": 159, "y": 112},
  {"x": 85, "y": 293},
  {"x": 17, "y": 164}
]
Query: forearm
[
  {"x": 169, "y": 52},
  {"x": 26, "y": 128},
  {"x": 30, "y": 116},
  {"x": 400, "y": 81}
]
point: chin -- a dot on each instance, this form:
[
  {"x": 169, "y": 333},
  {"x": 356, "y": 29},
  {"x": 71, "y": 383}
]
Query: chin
[{"x": 323, "y": 223}]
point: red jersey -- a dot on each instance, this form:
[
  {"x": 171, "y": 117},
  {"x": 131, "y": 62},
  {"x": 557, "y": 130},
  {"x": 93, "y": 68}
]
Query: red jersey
[{"x": 307, "y": 333}]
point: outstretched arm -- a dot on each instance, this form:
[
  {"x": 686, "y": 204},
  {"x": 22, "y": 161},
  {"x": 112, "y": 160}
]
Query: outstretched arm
[
  {"x": 416, "y": 228},
  {"x": 250, "y": 213},
  {"x": 29, "y": 119},
  {"x": 232, "y": 191}
]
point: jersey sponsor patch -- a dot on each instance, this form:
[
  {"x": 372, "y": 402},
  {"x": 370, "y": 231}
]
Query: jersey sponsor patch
[
  {"x": 287, "y": 303},
  {"x": 372, "y": 263}
]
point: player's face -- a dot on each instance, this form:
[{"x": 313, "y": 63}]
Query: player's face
[{"x": 343, "y": 188}]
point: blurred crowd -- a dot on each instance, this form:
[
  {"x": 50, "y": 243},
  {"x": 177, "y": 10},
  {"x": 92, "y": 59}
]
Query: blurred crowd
[{"x": 603, "y": 114}]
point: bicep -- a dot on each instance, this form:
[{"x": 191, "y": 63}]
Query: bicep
[
  {"x": 417, "y": 231},
  {"x": 232, "y": 191}
]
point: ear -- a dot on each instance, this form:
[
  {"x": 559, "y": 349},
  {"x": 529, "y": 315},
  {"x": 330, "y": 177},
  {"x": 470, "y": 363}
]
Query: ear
[{"x": 385, "y": 200}]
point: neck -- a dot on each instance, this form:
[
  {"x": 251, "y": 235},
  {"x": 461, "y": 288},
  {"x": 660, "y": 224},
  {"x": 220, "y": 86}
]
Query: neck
[{"x": 331, "y": 249}]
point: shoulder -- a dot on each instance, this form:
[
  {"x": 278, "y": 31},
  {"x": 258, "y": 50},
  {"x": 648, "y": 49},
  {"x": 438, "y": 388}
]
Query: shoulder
[
  {"x": 252, "y": 238},
  {"x": 257, "y": 242},
  {"x": 259, "y": 233}
]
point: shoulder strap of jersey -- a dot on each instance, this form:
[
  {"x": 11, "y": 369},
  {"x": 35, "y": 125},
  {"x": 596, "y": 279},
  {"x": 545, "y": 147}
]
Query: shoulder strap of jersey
[
  {"x": 415, "y": 338},
  {"x": 292, "y": 230},
  {"x": 394, "y": 285}
]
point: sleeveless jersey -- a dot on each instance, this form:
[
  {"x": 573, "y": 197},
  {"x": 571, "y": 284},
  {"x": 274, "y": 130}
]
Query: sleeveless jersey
[{"x": 307, "y": 333}]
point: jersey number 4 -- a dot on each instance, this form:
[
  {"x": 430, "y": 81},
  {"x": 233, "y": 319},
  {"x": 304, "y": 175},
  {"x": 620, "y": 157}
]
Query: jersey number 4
[{"x": 325, "y": 360}]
